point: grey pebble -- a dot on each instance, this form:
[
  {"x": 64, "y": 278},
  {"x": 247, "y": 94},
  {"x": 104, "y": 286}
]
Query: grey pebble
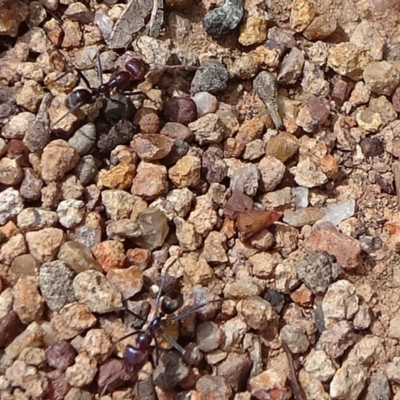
[
  {"x": 265, "y": 85},
  {"x": 11, "y": 204},
  {"x": 86, "y": 170},
  {"x": 221, "y": 20},
  {"x": 55, "y": 282},
  {"x": 83, "y": 139},
  {"x": 120, "y": 133},
  {"x": 171, "y": 370},
  {"x": 211, "y": 77},
  {"x": 246, "y": 179},
  {"x": 318, "y": 271}
]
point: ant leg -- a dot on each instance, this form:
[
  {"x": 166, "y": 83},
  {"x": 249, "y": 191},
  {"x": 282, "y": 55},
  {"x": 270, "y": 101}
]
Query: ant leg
[
  {"x": 99, "y": 69},
  {"x": 83, "y": 77},
  {"x": 133, "y": 93},
  {"x": 129, "y": 335},
  {"x": 65, "y": 115},
  {"x": 194, "y": 309},
  {"x": 173, "y": 343}
]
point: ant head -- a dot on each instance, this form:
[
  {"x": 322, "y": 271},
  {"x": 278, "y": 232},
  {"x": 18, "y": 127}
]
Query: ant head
[
  {"x": 138, "y": 68},
  {"x": 171, "y": 301}
]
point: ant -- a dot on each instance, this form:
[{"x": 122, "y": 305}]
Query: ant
[
  {"x": 136, "y": 70},
  {"x": 135, "y": 357}
]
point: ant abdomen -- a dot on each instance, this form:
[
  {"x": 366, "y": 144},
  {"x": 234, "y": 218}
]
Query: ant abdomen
[
  {"x": 77, "y": 98},
  {"x": 137, "y": 68}
]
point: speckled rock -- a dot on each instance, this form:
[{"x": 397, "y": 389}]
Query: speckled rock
[
  {"x": 381, "y": 77},
  {"x": 348, "y": 60},
  {"x": 45, "y": 243},
  {"x": 57, "y": 159},
  {"x": 11, "y": 204},
  {"x": 70, "y": 212},
  {"x": 318, "y": 271},
  {"x": 344, "y": 387},
  {"x": 325, "y": 237},
  {"x": 55, "y": 282},
  {"x": 34, "y": 218},
  {"x": 150, "y": 181},
  {"x": 72, "y": 320},
  {"x": 186, "y": 172},
  {"x": 340, "y": 302},
  {"x": 253, "y": 31},
  {"x": 92, "y": 289},
  {"x": 82, "y": 372},
  {"x": 110, "y": 254},
  {"x": 211, "y": 77},
  {"x": 78, "y": 257},
  {"x": 118, "y": 177},
  {"x": 272, "y": 171},
  {"x": 28, "y": 303}
]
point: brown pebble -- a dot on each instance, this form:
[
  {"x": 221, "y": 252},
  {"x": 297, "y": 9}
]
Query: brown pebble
[
  {"x": 180, "y": 109},
  {"x": 60, "y": 355},
  {"x": 148, "y": 120},
  {"x": 371, "y": 147},
  {"x": 250, "y": 222},
  {"x": 237, "y": 203},
  {"x": 152, "y": 147},
  {"x": 138, "y": 257},
  {"x": 113, "y": 374},
  {"x": 10, "y": 327},
  {"x": 396, "y": 99},
  {"x": 16, "y": 150}
]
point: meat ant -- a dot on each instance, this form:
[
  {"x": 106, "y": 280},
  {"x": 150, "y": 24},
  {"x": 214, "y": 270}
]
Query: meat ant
[
  {"x": 135, "y": 356},
  {"x": 135, "y": 71}
]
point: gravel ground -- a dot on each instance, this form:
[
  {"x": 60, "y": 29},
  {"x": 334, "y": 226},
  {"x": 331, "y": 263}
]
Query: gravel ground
[{"x": 219, "y": 179}]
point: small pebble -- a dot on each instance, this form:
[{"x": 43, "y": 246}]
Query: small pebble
[
  {"x": 152, "y": 147},
  {"x": 253, "y": 31},
  {"x": 182, "y": 110},
  {"x": 206, "y": 103},
  {"x": 55, "y": 282},
  {"x": 318, "y": 271},
  {"x": 60, "y": 355},
  {"x": 110, "y": 254},
  {"x": 221, "y": 20},
  {"x": 92, "y": 289},
  {"x": 211, "y": 77}
]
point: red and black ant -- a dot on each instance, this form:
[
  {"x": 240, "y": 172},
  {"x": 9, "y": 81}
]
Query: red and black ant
[
  {"x": 135, "y": 357},
  {"x": 136, "y": 70}
]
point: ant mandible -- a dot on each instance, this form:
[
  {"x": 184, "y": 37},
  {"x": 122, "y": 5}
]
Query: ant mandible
[{"x": 136, "y": 70}]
